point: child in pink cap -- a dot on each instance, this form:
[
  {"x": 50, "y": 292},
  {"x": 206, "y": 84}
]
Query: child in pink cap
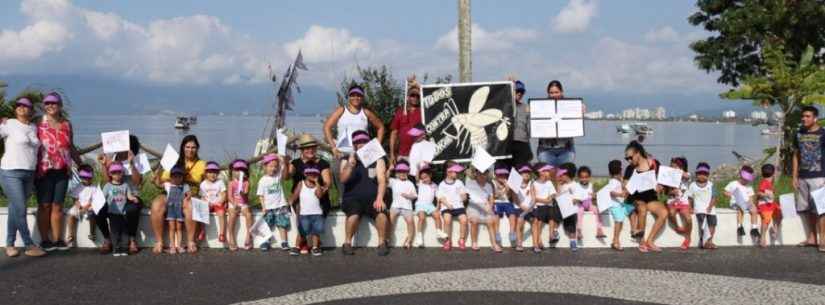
[
  {"x": 273, "y": 199},
  {"x": 743, "y": 187},
  {"x": 82, "y": 208},
  {"x": 543, "y": 212},
  {"x": 451, "y": 196},
  {"x": 239, "y": 203},
  {"x": 213, "y": 191},
  {"x": 403, "y": 194}
]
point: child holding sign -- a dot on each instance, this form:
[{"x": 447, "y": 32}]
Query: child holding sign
[
  {"x": 239, "y": 202},
  {"x": 741, "y": 199},
  {"x": 543, "y": 212},
  {"x": 451, "y": 195},
  {"x": 526, "y": 197},
  {"x": 678, "y": 203},
  {"x": 213, "y": 191},
  {"x": 272, "y": 198},
  {"x": 117, "y": 193},
  {"x": 564, "y": 178},
  {"x": 82, "y": 195}
]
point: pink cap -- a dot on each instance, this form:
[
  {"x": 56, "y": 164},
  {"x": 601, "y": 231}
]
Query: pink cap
[
  {"x": 525, "y": 169},
  {"x": 85, "y": 174},
  {"x": 746, "y": 175},
  {"x": 269, "y": 158},
  {"x": 115, "y": 167},
  {"x": 546, "y": 168},
  {"x": 212, "y": 166},
  {"x": 402, "y": 167},
  {"x": 239, "y": 165},
  {"x": 357, "y": 91},
  {"x": 53, "y": 98},
  {"x": 415, "y": 132},
  {"x": 703, "y": 169},
  {"x": 360, "y": 138},
  {"x": 24, "y": 102},
  {"x": 502, "y": 172},
  {"x": 456, "y": 168},
  {"x": 560, "y": 172}
]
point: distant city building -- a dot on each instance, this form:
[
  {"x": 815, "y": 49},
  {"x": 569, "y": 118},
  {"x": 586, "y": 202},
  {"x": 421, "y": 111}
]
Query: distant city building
[
  {"x": 693, "y": 117},
  {"x": 611, "y": 116},
  {"x": 730, "y": 114},
  {"x": 759, "y": 116},
  {"x": 642, "y": 114},
  {"x": 661, "y": 114},
  {"x": 595, "y": 115},
  {"x": 629, "y": 114}
]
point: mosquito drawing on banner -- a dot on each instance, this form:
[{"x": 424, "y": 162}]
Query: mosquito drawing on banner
[{"x": 472, "y": 124}]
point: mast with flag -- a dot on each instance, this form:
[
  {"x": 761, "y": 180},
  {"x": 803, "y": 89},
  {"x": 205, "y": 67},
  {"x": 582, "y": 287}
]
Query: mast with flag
[{"x": 286, "y": 100}]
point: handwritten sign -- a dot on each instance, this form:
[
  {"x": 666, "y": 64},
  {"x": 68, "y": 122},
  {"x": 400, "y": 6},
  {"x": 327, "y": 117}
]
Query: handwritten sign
[
  {"x": 200, "y": 211},
  {"x": 641, "y": 182},
  {"x": 669, "y": 176},
  {"x": 482, "y": 160},
  {"x": 261, "y": 229},
  {"x": 371, "y": 152},
  {"x": 115, "y": 141},
  {"x": 282, "y": 139},
  {"x": 420, "y": 153},
  {"x": 98, "y": 200},
  {"x": 604, "y": 200},
  {"x": 819, "y": 200},
  {"x": 566, "y": 206},
  {"x": 788, "y": 204},
  {"x": 550, "y": 118},
  {"x": 170, "y": 158},
  {"x": 514, "y": 180}
]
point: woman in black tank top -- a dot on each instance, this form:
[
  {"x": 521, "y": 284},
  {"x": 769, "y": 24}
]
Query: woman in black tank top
[{"x": 648, "y": 200}]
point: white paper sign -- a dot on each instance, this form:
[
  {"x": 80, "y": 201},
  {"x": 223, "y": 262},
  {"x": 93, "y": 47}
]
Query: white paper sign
[
  {"x": 421, "y": 152},
  {"x": 514, "y": 180},
  {"x": 371, "y": 152},
  {"x": 565, "y": 202},
  {"x": 142, "y": 164},
  {"x": 604, "y": 200},
  {"x": 570, "y": 128},
  {"x": 543, "y": 129},
  {"x": 819, "y": 200},
  {"x": 542, "y": 109},
  {"x": 788, "y": 204},
  {"x": 570, "y": 109},
  {"x": 741, "y": 200},
  {"x": 669, "y": 176},
  {"x": 200, "y": 211},
  {"x": 240, "y": 184},
  {"x": 170, "y": 158},
  {"x": 115, "y": 141},
  {"x": 641, "y": 182},
  {"x": 261, "y": 229},
  {"x": 98, "y": 200},
  {"x": 482, "y": 160},
  {"x": 282, "y": 139},
  {"x": 556, "y": 118}
]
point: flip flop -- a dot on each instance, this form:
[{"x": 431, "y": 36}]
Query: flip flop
[
  {"x": 806, "y": 244},
  {"x": 192, "y": 248},
  {"x": 158, "y": 248},
  {"x": 617, "y": 248}
]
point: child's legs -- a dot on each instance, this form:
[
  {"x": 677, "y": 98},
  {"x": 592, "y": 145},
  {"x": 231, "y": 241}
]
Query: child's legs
[
  {"x": 617, "y": 230},
  {"x": 391, "y": 225},
  {"x": 448, "y": 224},
  {"x": 232, "y": 222},
  {"x": 513, "y": 222},
  {"x": 536, "y": 228},
  {"x": 687, "y": 221},
  {"x": 599, "y": 224},
  {"x": 579, "y": 218},
  {"x": 473, "y": 230},
  {"x": 519, "y": 231},
  {"x": 92, "y": 225},
  {"x": 634, "y": 222},
  {"x": 740, "y": 216},
  {"x": 316, "y": 240},
  {"x": 172, "y": 230},
  {"x": 71, "y": 222},
  {"x": 462, "y": 221},
  {"x": 492, "y": 229},
  {"x": 438, "y": 222},
  {"x": 408, "y": 218},
  {"x": 247, "y": 215},
  {"x": 754, "y": 217},
  {"x": 422, "y": 221},
  {"x": 221, "y": 216},
  {"x": 821, "y": 231}
]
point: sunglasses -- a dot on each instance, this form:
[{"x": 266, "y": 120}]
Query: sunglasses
[
  {"x": 628, "y": 159},
  {"x": 50, "y": 103},
  {"x": 413, "y": 95}
]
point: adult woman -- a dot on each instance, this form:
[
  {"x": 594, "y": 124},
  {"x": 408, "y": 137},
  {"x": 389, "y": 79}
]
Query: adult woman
[
  {"x": 364, "y": 188},
  {"x": 560, "y": 150},
  {"x": 17, "y": 173},
  {"x": 134, "y": 179},
  {"x": 349, "y": 118},
  {"x": 520, "y": 145},
  {"x": 194, "y": 168},
  {"x": 308, "y": 147},
  {"x": 647, "y": 200},
  {"x": 52, "y": 177}
]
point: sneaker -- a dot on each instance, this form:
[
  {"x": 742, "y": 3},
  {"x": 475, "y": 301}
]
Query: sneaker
[
  {"x": 574, "y": 246},
  {"x": 48, "y": 246},
  {"x": 419, "y": 242},
  {"x": 536, "y": 250},
  {"x": 265, "y": 246},
  {"x": 294, "y": 252},
  {"x": 383, "y": 250},
  {"x": 462, "y": 245},
  {"x": 11, "y": 251},
  {"x": 441, "y": 236},
  {"x": 284, "y": 246},
  {"x": 554, "y": 238},
  {"x": 61, "y": 245},
  {"x": 347, "y": 249},
  {"x": 316, "y": 252},
  {"x": 34, "y": 251},
  {"x": 447, "y": 246},
  {"x": 740, "y": 231},
  {"x": 755, "y": 233}
]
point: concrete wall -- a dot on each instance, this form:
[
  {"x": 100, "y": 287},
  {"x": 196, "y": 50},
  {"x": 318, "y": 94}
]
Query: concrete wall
[{"x": 791, "y": 232}]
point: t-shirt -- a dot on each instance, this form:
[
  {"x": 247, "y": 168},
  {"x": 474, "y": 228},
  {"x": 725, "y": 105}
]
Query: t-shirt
[
  {"x": 211, "y": 191},
  {"x": 479, "y": 195},
  {"x": 702, "y": 196},
  {"x": 615, "y": 185},
  {"x": 404, "y": 123},
  {"x": 543, "y": 190},
  {"x": 747, "y": 191},
  {"x": 269, "y": 187},
  {"x": 501, "y": 194},
  {"x": 583, "y": 192},
  {"x": 766, "y": 187},
  {"x": 398, "y": 188},
  {"x": 680, "y": 194},
  {"x": 83, "y": 194},
  {"x": 451, "y": 194},
  {"x": 426, "y": 193},
  {"x": 116, "y": 196},
  {"x": 21, "y": 145},
  {"x": 810, "y": 145},
  {"x": 235, "y": 193}
]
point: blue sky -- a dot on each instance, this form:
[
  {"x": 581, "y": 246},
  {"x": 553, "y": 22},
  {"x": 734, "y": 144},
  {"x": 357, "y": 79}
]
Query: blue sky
[{"x": 633, "y": 49}]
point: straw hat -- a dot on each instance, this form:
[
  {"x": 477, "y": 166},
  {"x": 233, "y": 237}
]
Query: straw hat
[{"x": 306, "y": 141}]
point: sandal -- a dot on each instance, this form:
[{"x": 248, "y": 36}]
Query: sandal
[
  {"x": 247, "y": 245},
  {"x": 158, "y": 248},
  {"x": 171, "y": 250},
  {"x": 653, "y": 247},
  {"x": 133, "y": 248},
  {"x": 497, "y": 249},
  {"x": 643, "y": 248},
  {"x": 806, "y": 244},
  {"x": 71, "y": 242},
  {"x": 222, "y": 238},
  {"x": 202, "y": 234},
  {"x": 192, "y": 248},
  {"x": 616, "y": 247}
]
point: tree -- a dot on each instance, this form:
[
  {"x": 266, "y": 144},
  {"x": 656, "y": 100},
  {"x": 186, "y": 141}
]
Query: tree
[
  {"x": 787, "y": 84},
  {"x": 742, "y": 28}
]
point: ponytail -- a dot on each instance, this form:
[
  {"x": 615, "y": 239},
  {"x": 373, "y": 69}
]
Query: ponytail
[{"x": 637, "y": 147}]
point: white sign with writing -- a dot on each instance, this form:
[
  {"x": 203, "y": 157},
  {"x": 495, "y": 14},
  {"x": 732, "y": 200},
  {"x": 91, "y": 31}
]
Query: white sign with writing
[
  {"x": 371, "y": 152},
  {"x": 669, "y": 176},
  {"x": 282, "y": 139},
  {"x": 566, "y": 205},
  {"x": 115, "y": 141},
  {"x": 551, "y": 118},
  {"x": 787, "y": 203},
  {"x": 200, "y": 211},
  {"x": 169, "y": 158},
  {"x": 641, "y": 182},
  {"x": 482, "y": 160}
]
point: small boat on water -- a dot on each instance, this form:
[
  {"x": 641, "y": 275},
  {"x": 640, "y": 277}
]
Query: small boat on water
[
  {"x": 193, "y": 120},
  {"x": 624, "y": 129},
  {"x": 641, "y": 128},
  {"x": 769, "y": 131},
  {"x": 182, "y": 123}
]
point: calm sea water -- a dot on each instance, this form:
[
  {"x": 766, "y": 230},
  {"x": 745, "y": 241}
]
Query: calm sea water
[{"x": 227, "y": 137}]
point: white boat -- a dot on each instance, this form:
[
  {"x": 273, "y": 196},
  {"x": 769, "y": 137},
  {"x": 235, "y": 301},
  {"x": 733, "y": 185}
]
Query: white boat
[
  {"x": 193, "y": 120},
  {"x": 641, "y": 128},
  {"x": 769, "y": 131},
  {"x": 182, "y": 123},
  {"x": 624, "y": 129}
]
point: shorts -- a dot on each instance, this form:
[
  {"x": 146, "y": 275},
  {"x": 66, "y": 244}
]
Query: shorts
[
  {"x": 506, "y": 209},
  {"x": 427, "y": 208},
  {"x": 700, "y": 218},
  {"x": 52, "y": 186},
  {"x": 359, "y": 208},
  {"x": 406, "y": 213},
  {"x": 527, "y": 216},
  {"x": 217, "y": 208},
  {"x": 741, "y": 207},
  {"x": 629, "y": 208},
  {"x": 645, "y": 197},
  {"x": 544, "y": 213},
  {"x": 679, "y": 205},
  {"x": 478, "y": 213},
  {"x": 311, "y": 224},
  {"x": 174, "y": 212},
  {"x": 278, "y": 217},
  {"x": 804, "y": 200},
  {"x": 766, "y": 216},
  {"x": 619, "y": 213},
  {"x": 454, "y": 212}
]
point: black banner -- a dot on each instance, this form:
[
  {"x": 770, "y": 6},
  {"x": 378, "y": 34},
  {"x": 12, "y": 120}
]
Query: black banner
[{"x": 459, "y": 117}]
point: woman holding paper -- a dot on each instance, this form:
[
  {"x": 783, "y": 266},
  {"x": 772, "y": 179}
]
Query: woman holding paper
[
  {"x": 556, "y": 151},
  {"x": 52, "y": 177},
  {"x": 17, "y": 173},
  {"x": 643, "y": 191},
  {"x": 133, "y": 177},
  {"x": 194, "y": 169}
]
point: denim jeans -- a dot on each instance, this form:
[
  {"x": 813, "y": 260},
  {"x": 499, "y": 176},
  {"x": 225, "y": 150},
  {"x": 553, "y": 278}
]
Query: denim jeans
[
  {"x": 556, "y": 156},
  {"x": 17, "y": 186}
]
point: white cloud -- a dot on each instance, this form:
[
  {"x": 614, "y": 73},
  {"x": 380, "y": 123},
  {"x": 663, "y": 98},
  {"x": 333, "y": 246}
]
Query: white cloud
[
  {"x": 483, "y": 40},
  {"x": 104, "y": 25},
  {"x": 575, "y": 16},
  {"x": 664, "y": 34},
  {"x": 33, "y": 41},
  {"x": 324, "y": 44}
]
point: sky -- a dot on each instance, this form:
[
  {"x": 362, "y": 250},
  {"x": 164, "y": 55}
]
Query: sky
[{"x": 620, "y": 53}]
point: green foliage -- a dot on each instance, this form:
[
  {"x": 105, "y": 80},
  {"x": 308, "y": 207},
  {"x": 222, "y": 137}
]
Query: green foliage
[
  {"x": 743, "y": 28},
  {"x": 382, "y": 93}
]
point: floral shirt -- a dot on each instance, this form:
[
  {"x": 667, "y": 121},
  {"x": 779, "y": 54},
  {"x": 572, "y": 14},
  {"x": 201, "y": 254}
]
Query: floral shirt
[{"x": 55, "y": 151}]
